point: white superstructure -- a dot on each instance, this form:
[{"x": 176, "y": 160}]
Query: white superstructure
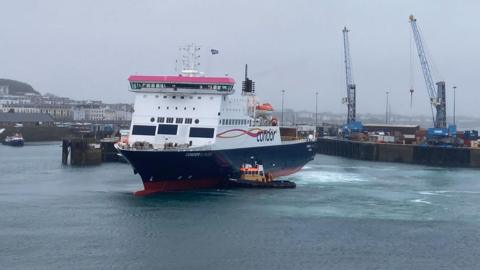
[{"x": 191, "y": 110}]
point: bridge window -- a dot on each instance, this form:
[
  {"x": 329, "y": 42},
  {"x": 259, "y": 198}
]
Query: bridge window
[
  {"x": 167, "y": 129},
  {"x": 143, "y": 130},
  {"x": 201, "y": 132}
]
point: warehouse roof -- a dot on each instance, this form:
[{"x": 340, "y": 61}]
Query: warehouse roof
[{"x": 25, "y": 117}]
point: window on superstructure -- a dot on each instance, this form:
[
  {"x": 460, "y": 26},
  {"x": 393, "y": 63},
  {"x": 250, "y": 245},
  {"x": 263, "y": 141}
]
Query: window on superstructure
[
  {"x": 143, "y": 130},
  {"x": 167, "y": 129},
  {"x": 179, "y": 121},
  {"x": 188, "y": 120},
  {"x": 161, "y": 119},
  {"x": 201, "y": 132},
  {"x": 169, "y": 119}
]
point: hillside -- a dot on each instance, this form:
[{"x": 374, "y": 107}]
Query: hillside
[{"x": 18, "y": 88}]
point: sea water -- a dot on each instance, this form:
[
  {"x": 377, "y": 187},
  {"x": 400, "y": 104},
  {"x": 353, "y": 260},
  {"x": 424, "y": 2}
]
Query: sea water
[{"x": 344, "y": 214}]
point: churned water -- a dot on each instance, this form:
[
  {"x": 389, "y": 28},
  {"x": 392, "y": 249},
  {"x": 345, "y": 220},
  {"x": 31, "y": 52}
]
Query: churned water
[{"x": 344, "y": 214}]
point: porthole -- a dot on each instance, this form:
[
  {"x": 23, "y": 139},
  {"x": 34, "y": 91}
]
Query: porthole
[
  {"x": 185, "y": 108},
  {"x": 164, "y": 96},
  {"x": 156, "y": 96},
  {"x": 182, "y": 97},
  {"x": 191, "y": 97},
  {"x": 199, "y": 97},
  {"x": 159, "y": 107},
  {"x": 152, "y": 119},
  {"x": 176, "y": 108},
  {"x": 197, "y": 121},
  {"x": 194, "y": 108},
  {"x": 174, "y": 97}
]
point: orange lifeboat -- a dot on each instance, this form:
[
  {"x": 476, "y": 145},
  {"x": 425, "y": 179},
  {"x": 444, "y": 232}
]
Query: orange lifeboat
[
  {"x": 264, "y": 107},
  {"x": 264, "y": 110}
]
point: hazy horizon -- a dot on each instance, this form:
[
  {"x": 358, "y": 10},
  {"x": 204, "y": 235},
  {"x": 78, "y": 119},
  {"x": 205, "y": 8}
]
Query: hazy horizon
[{"x": 87, "y": 49}]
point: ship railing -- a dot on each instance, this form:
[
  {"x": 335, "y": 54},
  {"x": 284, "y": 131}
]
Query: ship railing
[{"x": 146, "y": 146}]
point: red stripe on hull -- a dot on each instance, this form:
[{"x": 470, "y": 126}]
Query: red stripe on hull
[
  {"x": 176, "y": 185},
  {"x": 285, "y": 172}
]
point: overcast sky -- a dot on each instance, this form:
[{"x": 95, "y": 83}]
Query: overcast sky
[{"x": 87, "y": 49}]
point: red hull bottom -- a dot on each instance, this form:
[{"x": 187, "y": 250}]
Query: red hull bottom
[{"x": 176, "y": 185}]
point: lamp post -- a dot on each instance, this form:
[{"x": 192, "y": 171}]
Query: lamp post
[
  {"x": 454, "y": 101},
  {"x": 283, "y": 94},
  {"x": 316, "y": 110},
  {"x": 386, "y": 109}
]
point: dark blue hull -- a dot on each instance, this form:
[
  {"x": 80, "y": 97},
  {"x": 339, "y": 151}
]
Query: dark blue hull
[
  {"x": 178, "y": 170},
  {"x": 14, "y": 143}
]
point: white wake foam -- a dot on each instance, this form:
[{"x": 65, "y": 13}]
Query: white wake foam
[{"x": 315, "y": 177}]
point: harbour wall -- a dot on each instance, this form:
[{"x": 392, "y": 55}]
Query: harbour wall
[
  {"x": 38, "y": 133},
  {"x": 415, "y": 154}
]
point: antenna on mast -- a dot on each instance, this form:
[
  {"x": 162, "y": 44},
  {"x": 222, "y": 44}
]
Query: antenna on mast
[
  {"x": 190, "y": 60},
  {"x": 248, "y": 86}
]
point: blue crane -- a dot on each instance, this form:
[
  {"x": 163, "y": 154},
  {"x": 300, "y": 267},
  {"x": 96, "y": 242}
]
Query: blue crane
[
  {"x": 439, "y": 134},
  {"x": 352, "y": 125},
  {"x": 350, "y": 99}
]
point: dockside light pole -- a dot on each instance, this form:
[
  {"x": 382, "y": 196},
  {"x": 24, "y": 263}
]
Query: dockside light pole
[
  {"x": 283, "y": 94},
  {"x": 316, "y": 110},
  {"x": 386, "y": 109},
  {"x": 454, "y": 91}
]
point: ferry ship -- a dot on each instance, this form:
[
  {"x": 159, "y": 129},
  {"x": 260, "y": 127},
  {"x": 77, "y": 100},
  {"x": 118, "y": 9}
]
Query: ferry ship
[{"x": 192, "y": 131}]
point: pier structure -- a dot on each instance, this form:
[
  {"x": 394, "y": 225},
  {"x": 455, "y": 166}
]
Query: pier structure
[{"x": 403, "y": 153}]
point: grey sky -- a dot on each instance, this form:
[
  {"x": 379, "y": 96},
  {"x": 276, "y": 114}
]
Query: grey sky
[{"x": 87, "y": 49}]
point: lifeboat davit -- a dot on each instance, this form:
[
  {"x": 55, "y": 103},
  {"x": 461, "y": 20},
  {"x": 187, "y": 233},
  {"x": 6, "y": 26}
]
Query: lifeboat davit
[{"x": 264, "y": 109}]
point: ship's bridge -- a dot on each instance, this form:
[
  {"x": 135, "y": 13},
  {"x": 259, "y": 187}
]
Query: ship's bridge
[{"x": 181, "y": 84}]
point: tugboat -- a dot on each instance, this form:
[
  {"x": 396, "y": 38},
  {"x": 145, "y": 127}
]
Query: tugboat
[
  {"x": 15, "y": 140},
  {"x": 255, "y": 177}
]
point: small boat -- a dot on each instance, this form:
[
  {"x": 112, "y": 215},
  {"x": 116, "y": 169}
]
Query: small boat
[
  {"x": 265, "y": 109},
  {"x": 15, "y": 140},
  {"x": 255, "y": 177}
]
